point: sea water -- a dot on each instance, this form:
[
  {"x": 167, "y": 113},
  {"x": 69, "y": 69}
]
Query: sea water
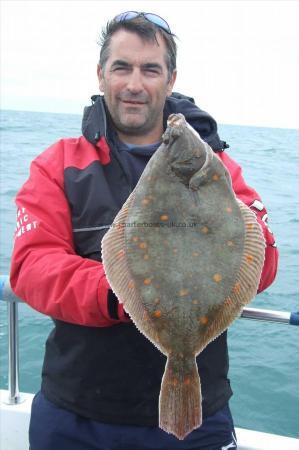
[{"x": 264, "y": 357}]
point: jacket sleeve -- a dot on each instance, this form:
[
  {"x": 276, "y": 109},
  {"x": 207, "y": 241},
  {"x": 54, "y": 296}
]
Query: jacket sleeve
[
  {"x": 45, "y": 270},
  {"x": 251, "y": 198}
]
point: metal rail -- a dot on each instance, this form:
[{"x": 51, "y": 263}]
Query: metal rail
[
  {"x": 7, "y": 295},
  {"x": 266, "y": 315}
]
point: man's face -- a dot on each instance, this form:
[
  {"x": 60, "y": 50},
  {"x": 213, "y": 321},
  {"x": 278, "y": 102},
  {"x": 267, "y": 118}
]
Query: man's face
[{"x": 135, "y": 85}]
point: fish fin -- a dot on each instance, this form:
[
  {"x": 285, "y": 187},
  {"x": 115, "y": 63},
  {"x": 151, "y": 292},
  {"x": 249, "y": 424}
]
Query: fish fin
[
  {"x": 113, "y": 250},
  {"x": 246, "y": 283},
  {"x": 253, "y": 258},
  {"x": 119, "y": 275},
  {"x": 114, "y": 256},
  {"x": 180, "y": 398}
]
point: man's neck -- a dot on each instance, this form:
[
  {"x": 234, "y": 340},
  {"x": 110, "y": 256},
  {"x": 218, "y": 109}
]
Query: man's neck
[{"x": 150, "y": 138}]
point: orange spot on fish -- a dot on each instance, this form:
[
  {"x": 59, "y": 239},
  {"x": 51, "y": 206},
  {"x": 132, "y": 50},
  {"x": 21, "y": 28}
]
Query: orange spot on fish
[
  {"x": 131, "y": 284},
  {"x": 121, "y": 253},
  {"x": 217, "y": 277},
  {"x": 157, "y": 314},
  {"x": 175, "y": 381},
  {"x": 195, "y": 302},
  {"x": 204, "y": 230},
  {"x": 230, "y": 243},
  {"x": 203, "y": 320},
  {"x": 187, "y": 380},
  {"x": 145, "y": 201},
  {"x": 164, "y": 217},
  {"x": 142, "y": 245},
  {"x": 228, "y": 209},
  {"x": 228, "y": 302},
  {"x": 183, "y": 292},
  {"x": 250, "y": 226},
  {"x": 147, "y": 281},
  {"x": 146, "y": 256},
  {"x": 237, "y": 288},
  {"x": 249, "y": 258},
  {"x": 145, "y": 315},
  {"x": 215, "y": 177}
]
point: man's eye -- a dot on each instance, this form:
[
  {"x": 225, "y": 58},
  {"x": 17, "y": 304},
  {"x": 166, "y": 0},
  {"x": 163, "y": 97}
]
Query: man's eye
[
  {"x": 152, "y": 71},
  {"x": 120, "y": 69}
]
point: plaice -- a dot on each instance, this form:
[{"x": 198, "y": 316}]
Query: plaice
[{"x": 185, "y": 256}]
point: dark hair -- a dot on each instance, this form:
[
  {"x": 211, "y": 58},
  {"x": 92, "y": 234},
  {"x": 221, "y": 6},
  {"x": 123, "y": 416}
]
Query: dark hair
[{"x": 147, "y": 31}]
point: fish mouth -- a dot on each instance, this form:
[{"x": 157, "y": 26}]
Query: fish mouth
[
  {"x": 176, "y": 120},
  {"x": 176, "y": 124}
]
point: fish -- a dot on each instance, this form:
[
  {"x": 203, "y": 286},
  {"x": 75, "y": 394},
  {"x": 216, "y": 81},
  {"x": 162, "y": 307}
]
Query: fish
[{"x": 184, "y": 255}]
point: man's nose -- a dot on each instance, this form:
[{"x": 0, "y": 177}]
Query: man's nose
[{"x": 135, "y": 84}]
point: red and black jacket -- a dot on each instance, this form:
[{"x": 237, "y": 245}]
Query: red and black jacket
[{"x": 96, "y": 362}]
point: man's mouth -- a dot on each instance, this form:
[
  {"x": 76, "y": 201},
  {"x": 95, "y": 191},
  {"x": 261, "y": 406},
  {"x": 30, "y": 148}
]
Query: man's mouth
[{"x": 133, "y": 102}]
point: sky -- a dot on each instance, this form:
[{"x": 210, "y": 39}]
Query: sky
[{"x": 238, "y": 59}]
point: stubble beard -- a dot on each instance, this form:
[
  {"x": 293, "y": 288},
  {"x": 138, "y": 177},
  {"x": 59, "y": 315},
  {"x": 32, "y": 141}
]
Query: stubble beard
[{"x": 126, "y": 126}]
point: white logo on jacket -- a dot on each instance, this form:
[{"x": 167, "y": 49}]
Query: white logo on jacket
[{"x": 24, "y": 223}]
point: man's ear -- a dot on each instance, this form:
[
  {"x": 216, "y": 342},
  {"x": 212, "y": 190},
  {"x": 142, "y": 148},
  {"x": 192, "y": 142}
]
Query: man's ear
[
  {"x": 171, "y": 82},
  {"x": 100, "y": 73}
]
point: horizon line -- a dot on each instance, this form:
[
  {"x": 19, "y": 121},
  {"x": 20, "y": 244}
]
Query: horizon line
[{"x": 218, "y": 123}]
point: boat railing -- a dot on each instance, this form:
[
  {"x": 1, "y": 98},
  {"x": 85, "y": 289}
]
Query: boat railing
[
  {"x": 12, "y": 300},
  {"x": 7, "y": 295}
]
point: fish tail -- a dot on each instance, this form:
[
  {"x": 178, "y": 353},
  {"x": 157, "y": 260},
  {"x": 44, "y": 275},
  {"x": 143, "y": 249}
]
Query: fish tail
[{"x": 180, "y": 398}]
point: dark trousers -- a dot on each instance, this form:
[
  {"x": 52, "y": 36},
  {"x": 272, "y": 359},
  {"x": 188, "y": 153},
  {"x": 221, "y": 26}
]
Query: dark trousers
[{"x": 54, "y": 428}]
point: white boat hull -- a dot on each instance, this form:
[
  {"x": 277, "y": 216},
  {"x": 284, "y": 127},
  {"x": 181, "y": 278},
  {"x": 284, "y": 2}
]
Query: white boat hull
[{"x": 15, "y": 421}]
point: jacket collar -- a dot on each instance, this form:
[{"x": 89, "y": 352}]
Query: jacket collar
[{"x": 95, "y": 122}]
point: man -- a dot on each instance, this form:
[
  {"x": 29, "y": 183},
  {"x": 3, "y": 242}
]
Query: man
[{"x": 101, "y": 378}]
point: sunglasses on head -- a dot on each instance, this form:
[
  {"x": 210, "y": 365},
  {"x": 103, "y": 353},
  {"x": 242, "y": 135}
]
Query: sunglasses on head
[{"x": 153, "y": 18}]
